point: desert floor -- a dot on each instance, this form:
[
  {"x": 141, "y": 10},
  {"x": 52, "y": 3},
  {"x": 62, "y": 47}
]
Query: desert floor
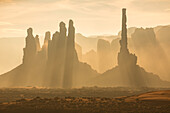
[{"x": 85, "y": 100}]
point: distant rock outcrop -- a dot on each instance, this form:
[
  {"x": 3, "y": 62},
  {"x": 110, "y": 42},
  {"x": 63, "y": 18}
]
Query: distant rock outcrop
[
  {"x": 91, "y": 59},
  {"x": 130, "y": 31},
  {"x": 144, "y": 37},
  {"x": 163, "y": 35},
  {"x": 104, "y": 56},
  {"x": 146, "y": 45},
  {"x": 90, "y": 42},
  {"x": 128, "y": 73}
]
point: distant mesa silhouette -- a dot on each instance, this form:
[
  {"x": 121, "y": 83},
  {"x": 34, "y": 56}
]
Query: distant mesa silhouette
[
  {"x": 56, "y": 63},
  {"x": 91, "y": 58}
]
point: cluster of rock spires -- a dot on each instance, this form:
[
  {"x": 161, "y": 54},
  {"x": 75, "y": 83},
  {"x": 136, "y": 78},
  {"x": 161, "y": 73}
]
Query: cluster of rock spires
[
  {"x": 53, "y": 65},
  {"x": 56, "y": 64}
]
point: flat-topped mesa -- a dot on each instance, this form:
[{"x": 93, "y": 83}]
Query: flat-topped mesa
[{"x": 30, "y": 48}]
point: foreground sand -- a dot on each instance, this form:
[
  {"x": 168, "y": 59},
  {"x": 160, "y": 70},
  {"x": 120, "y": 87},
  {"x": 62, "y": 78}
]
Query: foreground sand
[{"x": 155, "y": 102}]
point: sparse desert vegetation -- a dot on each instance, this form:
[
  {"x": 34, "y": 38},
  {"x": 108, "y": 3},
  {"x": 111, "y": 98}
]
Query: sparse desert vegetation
[{"x": 84, "y": 100}]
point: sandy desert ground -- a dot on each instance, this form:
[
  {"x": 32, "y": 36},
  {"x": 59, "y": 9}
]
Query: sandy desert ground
[{"x": 84, "y": 100}]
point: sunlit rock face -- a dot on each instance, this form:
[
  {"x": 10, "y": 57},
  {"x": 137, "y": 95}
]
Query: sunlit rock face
[
  {"x": 37, "y": 41},
  {"x": 45, "y": 45}
]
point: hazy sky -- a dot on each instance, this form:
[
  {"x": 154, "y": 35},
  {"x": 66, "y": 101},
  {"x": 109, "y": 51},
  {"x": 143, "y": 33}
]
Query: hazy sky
[{"x": 91, "y": 17}]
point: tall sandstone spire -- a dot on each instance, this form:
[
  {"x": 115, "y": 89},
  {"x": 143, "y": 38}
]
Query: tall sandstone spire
[
  {"x": 30, "y": 48},
  {"x": 127, "y": 62},
  {"x": 70, "y": 58},
  {"x": 124, "y": 57},
  {"x": 123, "y": 41}
]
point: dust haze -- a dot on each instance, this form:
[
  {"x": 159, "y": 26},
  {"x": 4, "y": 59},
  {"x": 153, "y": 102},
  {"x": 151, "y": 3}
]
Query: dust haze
[{"x": 65, "y": 71}]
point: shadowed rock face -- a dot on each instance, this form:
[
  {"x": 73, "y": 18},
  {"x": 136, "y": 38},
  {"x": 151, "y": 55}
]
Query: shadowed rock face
[
  {"x": 54, "y": 65},
  {"x": 61, "y": 57},
  {"x": 127, "y": 61},
  {"x": 71, "y": 57},
  {"x": 124, "y": 57},
  {"x": 30, "y": 48},
  {"x": 56, "y": 57}
]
